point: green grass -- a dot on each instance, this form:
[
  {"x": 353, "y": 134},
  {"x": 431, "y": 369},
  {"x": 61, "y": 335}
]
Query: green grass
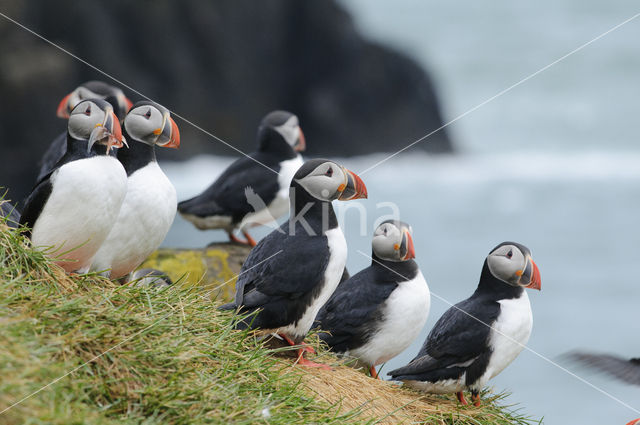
[{"x": 143, "y": 356}]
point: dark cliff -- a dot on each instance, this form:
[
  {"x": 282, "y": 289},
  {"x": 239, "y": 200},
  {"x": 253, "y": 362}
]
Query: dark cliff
[{"x": 222, "y": 65}]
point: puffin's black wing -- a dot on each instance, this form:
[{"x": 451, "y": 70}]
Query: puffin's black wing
[
  {"x": 226, "y": 196},
  {"x": 457, "y": 343},
  {"x": 279, "y": 277},
  {"x": 627, "y": 370},
  {"x": 56, "y": 150},
  {"x": 34, "y": 204},
  {"x": 351, "y": 314}
]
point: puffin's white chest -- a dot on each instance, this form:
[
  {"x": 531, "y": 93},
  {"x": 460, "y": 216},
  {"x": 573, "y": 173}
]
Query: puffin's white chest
[
  {"x": 279, "y": 206},
  {"x": 405, "y": 313},
  {"x": 83, "y": 206},
  {"x": 509, "y": 334},
  {"x": 333, "y": 272},
  {"x": 146, "y": 215}
]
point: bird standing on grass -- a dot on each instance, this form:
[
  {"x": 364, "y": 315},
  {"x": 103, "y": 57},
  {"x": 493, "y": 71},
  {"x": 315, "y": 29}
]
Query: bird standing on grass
[
  {"x": 477, "y": 338},
  {"x": 149, "y": 207},
  {"x": 73, "y": 208},
  {"x": 254, "y": 190},
  {"x": 377, "y": 313},
  {"x": 294, "y": 270},
  {"x": 89, "y": 90}
]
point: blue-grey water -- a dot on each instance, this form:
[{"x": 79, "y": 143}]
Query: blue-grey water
[{"x": 554, "y": 164}]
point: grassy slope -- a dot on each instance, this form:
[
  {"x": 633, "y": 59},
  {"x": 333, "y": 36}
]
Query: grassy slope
[{"x": 170, "y": 358}]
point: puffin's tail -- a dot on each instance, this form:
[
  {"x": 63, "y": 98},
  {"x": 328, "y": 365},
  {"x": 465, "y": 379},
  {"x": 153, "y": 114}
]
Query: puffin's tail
[{"x": 228, "y": 306}]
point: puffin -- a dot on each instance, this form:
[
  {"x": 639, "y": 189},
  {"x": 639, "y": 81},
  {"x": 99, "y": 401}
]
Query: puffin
[
  {"x": 253, "y": 190},
  {"x": 89, "y": 90},
  {"x": 477, "y": 338},
  {"x": 294, "y": 270},
  {"x": 150, "y": 204},
  {"x": 376, "y": 314},
  {"x": 71, "y": 210}
]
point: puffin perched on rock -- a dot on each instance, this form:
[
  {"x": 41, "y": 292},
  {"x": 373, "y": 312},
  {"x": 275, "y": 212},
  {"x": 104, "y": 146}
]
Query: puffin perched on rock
[
  {"x": 89, "y": 90},
  {"x": 294, "y": 270},
  {"x": 377, "y": 313},
  {"x": 477, "y": 338},
  {"x": 254, "y": 190},
  {"x": 149, "y": 207},
  {"x": 73, "y": 208}
]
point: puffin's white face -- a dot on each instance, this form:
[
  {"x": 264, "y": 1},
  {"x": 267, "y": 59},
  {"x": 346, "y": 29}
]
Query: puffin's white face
[
  {"x": 94, "y": 121},
  {"x": 325, "y": 182},
  {"x": 292, "y": 133},
  {"x": 84, "y": 118},
  {"x": 147, "y": 124},
  {"x": 392, "y": 241},
  {"x": 509, "y": 264}
]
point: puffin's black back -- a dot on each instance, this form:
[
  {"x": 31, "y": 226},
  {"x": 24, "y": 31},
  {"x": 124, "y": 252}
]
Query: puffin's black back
[
  {"x": 280, "y": 276},
  {"x": 226, "y": 196},
  {"x": 351, "y": 315}
]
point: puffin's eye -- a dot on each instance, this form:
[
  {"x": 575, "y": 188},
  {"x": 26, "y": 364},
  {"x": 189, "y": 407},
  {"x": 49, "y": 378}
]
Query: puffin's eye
[
  {"x": 510, "y": 254},
  {"x": 329, "y": 172},
  {"x": 148, "y": 114},
  {"x": 87, "y": 111},
  {"x": 385, "y": 230}
]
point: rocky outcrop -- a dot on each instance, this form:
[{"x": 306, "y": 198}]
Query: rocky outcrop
[
  {"x": 214, "y": 269},
  {"x": 220, "y": 64}
]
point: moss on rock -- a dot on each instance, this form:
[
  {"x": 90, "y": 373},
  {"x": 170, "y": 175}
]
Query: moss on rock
[{"x": 214, "y": 268}]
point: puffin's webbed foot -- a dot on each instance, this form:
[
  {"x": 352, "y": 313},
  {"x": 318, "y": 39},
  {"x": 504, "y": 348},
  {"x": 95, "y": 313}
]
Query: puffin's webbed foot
[
  {"x": 461, "y": 398},
  {"x": 475, "y": 397}
]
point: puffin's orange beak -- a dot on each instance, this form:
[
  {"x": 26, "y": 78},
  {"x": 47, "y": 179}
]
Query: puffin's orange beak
[
  {"x": 301, "y": 143},
  {"x": 536, "y": 281},
  {"x": 63, "y": 107},
  {"x": 354, "y": 189},
  {"x": 407, "y": 241},
  {"x": 174, "y": 136}
]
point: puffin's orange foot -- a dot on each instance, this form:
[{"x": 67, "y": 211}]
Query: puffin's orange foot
[
  {"x": 234, "y": 238},
  {"x": 308, "y": 363},
  {"x": 634, "y": 422},
  {"x": 250, "y": 240},
  {"x": 306, "y": 347},
  {"x": 475, "y": 397},
  {"x": 461, "y": 399},
  {"x": 373, "y": 373}
]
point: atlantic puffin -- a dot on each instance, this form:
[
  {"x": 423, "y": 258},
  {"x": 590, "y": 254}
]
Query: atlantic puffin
[
  {"x": 149, "y": 207},
  {"x": 477, "y": 338},
  {"x": 89, "y": 90},
  {"x": 247, "y": 193},
  {"x": 294, "y": 270},
  {"x": 376, "y": 314},
  {"x": 72, "y": 209}
]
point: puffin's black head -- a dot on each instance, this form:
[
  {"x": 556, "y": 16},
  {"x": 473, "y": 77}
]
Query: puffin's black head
[
  {"x": 392, "y": 241},
  {"x": 511, "y": 263},
  {"x": 150, "y": 123},
  {"x": 327, "y": 181},
  {"x": 95, "y": 90},
  {"x": 280, "y": 131},
  {"x": 93, "y": 120}
]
